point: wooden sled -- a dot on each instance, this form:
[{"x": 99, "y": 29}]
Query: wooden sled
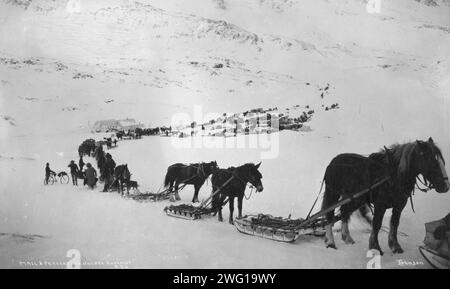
[
  {"x": 277, "y": 228},
  {"x": 436, "y": 261}
]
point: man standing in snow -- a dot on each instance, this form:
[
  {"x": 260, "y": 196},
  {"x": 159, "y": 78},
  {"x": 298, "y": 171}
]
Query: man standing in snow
[
  {"x": 48, "y": 171},
  {"x": 74, "y": 172}
]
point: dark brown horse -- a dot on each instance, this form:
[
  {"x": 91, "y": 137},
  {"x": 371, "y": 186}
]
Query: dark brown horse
[
  {"x": 348, "y": 174},
  {"x": 193, "y": 174},
  {"x": 242, "y": 175},
  {"x": 121, "y": 177}
]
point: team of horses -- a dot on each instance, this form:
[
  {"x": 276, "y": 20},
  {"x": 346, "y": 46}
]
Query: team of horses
[{"x": 401, "y": 165}]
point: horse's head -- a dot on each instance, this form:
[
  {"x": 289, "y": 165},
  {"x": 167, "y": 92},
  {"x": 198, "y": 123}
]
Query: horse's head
[
  {"x": 122, "y": 172},
  {"x": 254, "y": 176},
  {"x": 212, "y": 167},
  {"x": 431, "y": 165}
]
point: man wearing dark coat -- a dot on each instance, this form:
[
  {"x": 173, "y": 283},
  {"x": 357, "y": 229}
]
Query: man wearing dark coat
[
  {"x": 91, "y": 176},
  {"x": 74, "y": 172},
  {"x": 48, "y": 172},
  {"x": 108, "y": 171}
]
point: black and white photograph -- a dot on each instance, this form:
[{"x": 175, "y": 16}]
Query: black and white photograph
[{"x": 224, "y": 134}]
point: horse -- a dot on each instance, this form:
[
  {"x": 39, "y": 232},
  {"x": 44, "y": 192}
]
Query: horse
[
  {"x": 402, "y": 164},
  {"x": 242, "y": 175},
  {"x": 121, "y": 177},
  {"x": 120, "y": 134},
  {"x": 193, "y": 174}
]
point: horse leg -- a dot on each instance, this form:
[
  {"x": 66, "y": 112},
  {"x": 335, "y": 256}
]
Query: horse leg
[
  {"x": 195, "y": 198},
  {"x": 392, "y": 239},
  {"x": 177, "y": 196},
  {"x": 345, "y": 214},
  {"x": 240, "y": 199},
  {"x": 220, "y": 218},
  {"x": 231, "y": 204},
  {"x": 328, "y": 200},
  {"x": 376, "y": 226}
]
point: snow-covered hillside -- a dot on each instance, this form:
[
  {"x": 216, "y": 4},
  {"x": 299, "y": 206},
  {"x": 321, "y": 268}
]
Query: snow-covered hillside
[{"x": 66, "y": 64}]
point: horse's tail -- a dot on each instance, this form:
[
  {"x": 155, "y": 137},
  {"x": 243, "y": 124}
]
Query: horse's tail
[{"x": 167, "y": 179}]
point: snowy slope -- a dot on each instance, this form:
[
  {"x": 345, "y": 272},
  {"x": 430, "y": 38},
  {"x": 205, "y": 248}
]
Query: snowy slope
[{"x": 64, "y": 65}]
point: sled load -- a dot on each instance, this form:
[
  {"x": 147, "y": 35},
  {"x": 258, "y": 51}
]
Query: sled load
[
  {"x": 278, "y": 228},
  {"x": 436, "y": 249},
  {"x": 152, "y": 197},
  {"x": 148, "y": 197}
]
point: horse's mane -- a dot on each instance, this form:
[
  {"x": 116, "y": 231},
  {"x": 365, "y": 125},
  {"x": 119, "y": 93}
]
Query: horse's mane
[{"x": 401, "y": 155}]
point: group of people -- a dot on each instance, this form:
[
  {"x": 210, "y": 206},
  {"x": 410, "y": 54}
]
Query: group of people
[{"x": 76, "y": 171}]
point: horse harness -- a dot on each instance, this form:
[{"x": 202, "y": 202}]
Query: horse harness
[{"x": 233, "y": 173}]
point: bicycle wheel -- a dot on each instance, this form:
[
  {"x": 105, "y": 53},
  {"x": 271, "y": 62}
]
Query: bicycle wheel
[
  {"x": 51, "y": 180},
  {"x": 64, "y": 179}
]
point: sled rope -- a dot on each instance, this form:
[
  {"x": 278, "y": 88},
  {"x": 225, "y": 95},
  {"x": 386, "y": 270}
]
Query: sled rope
[
  {"x": 343, "y": 202},
  {"x": 317, "y": 198},
  {"x": 208, "y": 201}
]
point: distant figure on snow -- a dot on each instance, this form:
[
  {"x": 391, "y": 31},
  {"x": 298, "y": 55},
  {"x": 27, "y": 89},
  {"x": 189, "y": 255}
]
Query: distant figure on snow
[
  {"x": 48, "y": 172},
  {"x": 73, "y": 172}
]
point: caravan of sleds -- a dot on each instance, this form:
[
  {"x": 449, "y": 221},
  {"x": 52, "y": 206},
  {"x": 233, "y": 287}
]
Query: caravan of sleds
[{"x": 383, "y": 180}]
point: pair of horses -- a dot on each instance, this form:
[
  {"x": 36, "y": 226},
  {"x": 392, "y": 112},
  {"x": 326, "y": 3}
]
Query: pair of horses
[
  {"x": 347, "y": 174},
  {"x": 232, "y": 182}
]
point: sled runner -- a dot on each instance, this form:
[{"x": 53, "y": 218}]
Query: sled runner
[{"x": 288, "y": 230}]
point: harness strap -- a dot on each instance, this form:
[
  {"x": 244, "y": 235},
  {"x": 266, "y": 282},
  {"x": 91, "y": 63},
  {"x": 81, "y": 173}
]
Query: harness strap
[
  {"x": 317, "y": 198},
  {"x": 427, "y": 187},
  {"x": 207, "y": 201},
  {"x": 412, "y": 203}
]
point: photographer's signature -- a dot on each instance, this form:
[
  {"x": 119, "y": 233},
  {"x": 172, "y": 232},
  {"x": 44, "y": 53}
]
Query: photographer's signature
[{"x": 401, "y": 262}]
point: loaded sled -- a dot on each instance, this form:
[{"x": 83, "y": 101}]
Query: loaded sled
[
  {"x": 278, "y": 228},
  {"x": 191, "y": 212},
  {"x": 288, "y": 230},
  {"x": 188, "y": 212},
  {"x": 152, "y": 197}
]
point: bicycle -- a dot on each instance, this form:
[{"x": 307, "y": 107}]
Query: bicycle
[{"x": 61, "y": 176}]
